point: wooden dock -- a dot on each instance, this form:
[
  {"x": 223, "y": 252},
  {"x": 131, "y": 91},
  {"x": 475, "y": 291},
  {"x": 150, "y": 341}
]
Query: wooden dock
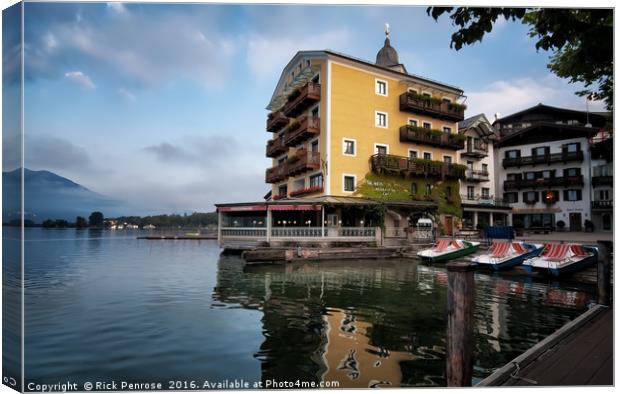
[
  {"x": 177, "y": 237},
  {"x": 579, "y": 353}
]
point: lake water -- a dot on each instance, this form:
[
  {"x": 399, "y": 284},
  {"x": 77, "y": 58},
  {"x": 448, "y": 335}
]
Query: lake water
[{"x": 103, "y": 306}]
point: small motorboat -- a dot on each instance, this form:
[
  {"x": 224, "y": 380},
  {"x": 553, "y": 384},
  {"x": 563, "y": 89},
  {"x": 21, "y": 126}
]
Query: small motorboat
[
  {"x": 560, "y": 259},
  {"x": 506, "y": 254},
  {"x": 448, "y": 249}
]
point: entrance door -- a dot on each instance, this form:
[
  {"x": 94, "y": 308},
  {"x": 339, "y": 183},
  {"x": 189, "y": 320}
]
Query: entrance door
[
  {"x": 448, "y": 224},
  {"x": 574, "y": 221}
]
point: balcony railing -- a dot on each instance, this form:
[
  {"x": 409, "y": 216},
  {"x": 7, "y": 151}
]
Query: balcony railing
[
  {"x": 602, "y": 180},
  {"x": 476, "y": 175},
  {"x": 300, "y": 233},
  {"x": 276, "y": 147},
  {"x": 276, "y": 174},
  {"x": 482, "y": 200},
  {"x": 301, "y": 98},
  {"x": 602, "y": 204},
  {"x": 302, "y": 129},
  {"x": 478, "y": 149},
  {"x": 405, "y": 166},
  {"x": 562, "y": 157},
  {"x": 275, "y": 121},
  {"x": 409, "y": 133},
  {"x": 543, "y": 182},
  {"x": 302, "y": 161},
  {"x": 412, "y": 102}
]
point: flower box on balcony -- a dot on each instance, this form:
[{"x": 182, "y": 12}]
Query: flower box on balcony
[
  {"x": 307, "y": 190},
  {"x": 279, "y": 196}
]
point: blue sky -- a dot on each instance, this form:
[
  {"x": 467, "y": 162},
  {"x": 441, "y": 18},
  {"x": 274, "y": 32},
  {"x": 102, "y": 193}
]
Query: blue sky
[{"x": 162, "y": 106}]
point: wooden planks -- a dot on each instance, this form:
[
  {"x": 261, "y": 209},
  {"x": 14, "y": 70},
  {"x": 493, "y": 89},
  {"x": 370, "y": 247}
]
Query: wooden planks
[{"x": 580, "y": 353}]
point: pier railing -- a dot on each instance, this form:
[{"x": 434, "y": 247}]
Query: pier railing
[{"x": 361, "y": 233}]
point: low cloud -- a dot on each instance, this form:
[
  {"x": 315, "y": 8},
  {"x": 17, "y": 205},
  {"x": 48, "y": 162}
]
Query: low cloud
[
  {"x": 80, "y": 79},
  {"x": 54, "y": 153},
  {"x": 506, "y": 97},
  {"x": 194, "y": 149}
]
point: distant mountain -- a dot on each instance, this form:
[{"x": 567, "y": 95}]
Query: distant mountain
[{"x": 51, "y": 196}]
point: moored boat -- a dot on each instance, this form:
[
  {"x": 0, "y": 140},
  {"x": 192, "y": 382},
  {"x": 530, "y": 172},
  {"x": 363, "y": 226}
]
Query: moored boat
[
  {"x": 507, "y": 254},
  {"x": 448, "y": 249},
  {"x": 560, "y": 259}
]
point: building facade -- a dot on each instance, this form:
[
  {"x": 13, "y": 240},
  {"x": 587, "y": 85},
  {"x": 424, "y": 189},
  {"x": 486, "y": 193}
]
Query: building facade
[
  {"x": 482, "y": 205},
  {"x": 336, "y": 120},
  {"x": 602, "y": 175},
  {"x": 543, "y": 166}
]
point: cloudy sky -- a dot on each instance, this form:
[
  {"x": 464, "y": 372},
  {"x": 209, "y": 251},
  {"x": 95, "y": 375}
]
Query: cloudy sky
[{"x": 162, "y": 106}]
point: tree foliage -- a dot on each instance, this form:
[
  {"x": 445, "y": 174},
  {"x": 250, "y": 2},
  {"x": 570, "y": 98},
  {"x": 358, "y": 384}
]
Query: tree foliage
[
  {"x": 95, "y": 219},
  {"x": 196, "y": 219},
  {"x": 581, "y": 40}
]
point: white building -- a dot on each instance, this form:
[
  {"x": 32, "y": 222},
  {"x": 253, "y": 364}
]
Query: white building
[
  {"x": 602, "y": 175},
  {"x": 482, "y": 205},
  {"x": 543, "y": 166}
]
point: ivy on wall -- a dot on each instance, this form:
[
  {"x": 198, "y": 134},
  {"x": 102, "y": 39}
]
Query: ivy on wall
[{"x": 386, "y": 188}]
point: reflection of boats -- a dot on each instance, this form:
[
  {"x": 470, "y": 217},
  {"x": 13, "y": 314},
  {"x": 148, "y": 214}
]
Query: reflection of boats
[
  {"x": 506, "y": 254},
  {"x": 446, "y": 249},
  {"x": 559, "y": 259}
]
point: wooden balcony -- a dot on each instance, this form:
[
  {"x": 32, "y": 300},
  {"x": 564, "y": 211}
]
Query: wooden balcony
[
  {"x": 484, "y": 201},
  {"x": 302, "y": 161},
  {"x": 302, "y": 129},
  {"x": 476, "y": 176},
  {"x": 404, "y": 166},
  {"x": 275, "y": 121},
  {"x": 602, "y": 180},
  {"x": 602, "y": 204},
  {"x": 563, "y": 157},
  {"x": 302, "y": 98},
  {"x": 419, "y": 104},
  {"x": 431, "y": 137},
  {"x": 544, "y": 183},
  {"x": 477, "y": 150},
  {"x": 276, "y": 147},
  {"x": 276, "y": 174}
]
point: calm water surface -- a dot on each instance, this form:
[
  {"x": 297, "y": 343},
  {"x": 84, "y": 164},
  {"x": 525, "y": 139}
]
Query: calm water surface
[{"x": 102, "y": 306}]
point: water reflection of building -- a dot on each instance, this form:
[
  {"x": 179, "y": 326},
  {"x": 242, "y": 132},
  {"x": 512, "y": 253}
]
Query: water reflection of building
[
  {"x": 367, "y": 322},
  {"x": 362, "y": 323},
  {"x": 350, "y": 358}
]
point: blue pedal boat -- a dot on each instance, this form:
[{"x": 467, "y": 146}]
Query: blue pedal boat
[{"x": 507, "y": 254}]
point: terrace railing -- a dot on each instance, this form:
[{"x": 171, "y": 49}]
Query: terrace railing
[
  {"x": 543, "y": 182},
  {"x": 275, "y": 121},
  {"x": 301, "y": 98},
  {"x": 477, "y": 175},
  {"x": 562, "y": 157},
  {"x": 420, "y": 135},
  {"x": 412, "y": 102},
  {"x": 244, "y": 232},
  {"x": 416, "y": 167}
]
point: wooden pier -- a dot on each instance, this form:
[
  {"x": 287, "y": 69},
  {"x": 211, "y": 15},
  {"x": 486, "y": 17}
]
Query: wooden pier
[{"x": 579, "y": 353}]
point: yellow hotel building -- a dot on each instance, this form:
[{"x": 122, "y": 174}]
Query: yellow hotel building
[{"x": 347, "y": 132}]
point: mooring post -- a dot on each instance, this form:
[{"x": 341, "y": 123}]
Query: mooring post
[
  {"x": 460, "y": 333},
  {"x": 604, "y": 272}
]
